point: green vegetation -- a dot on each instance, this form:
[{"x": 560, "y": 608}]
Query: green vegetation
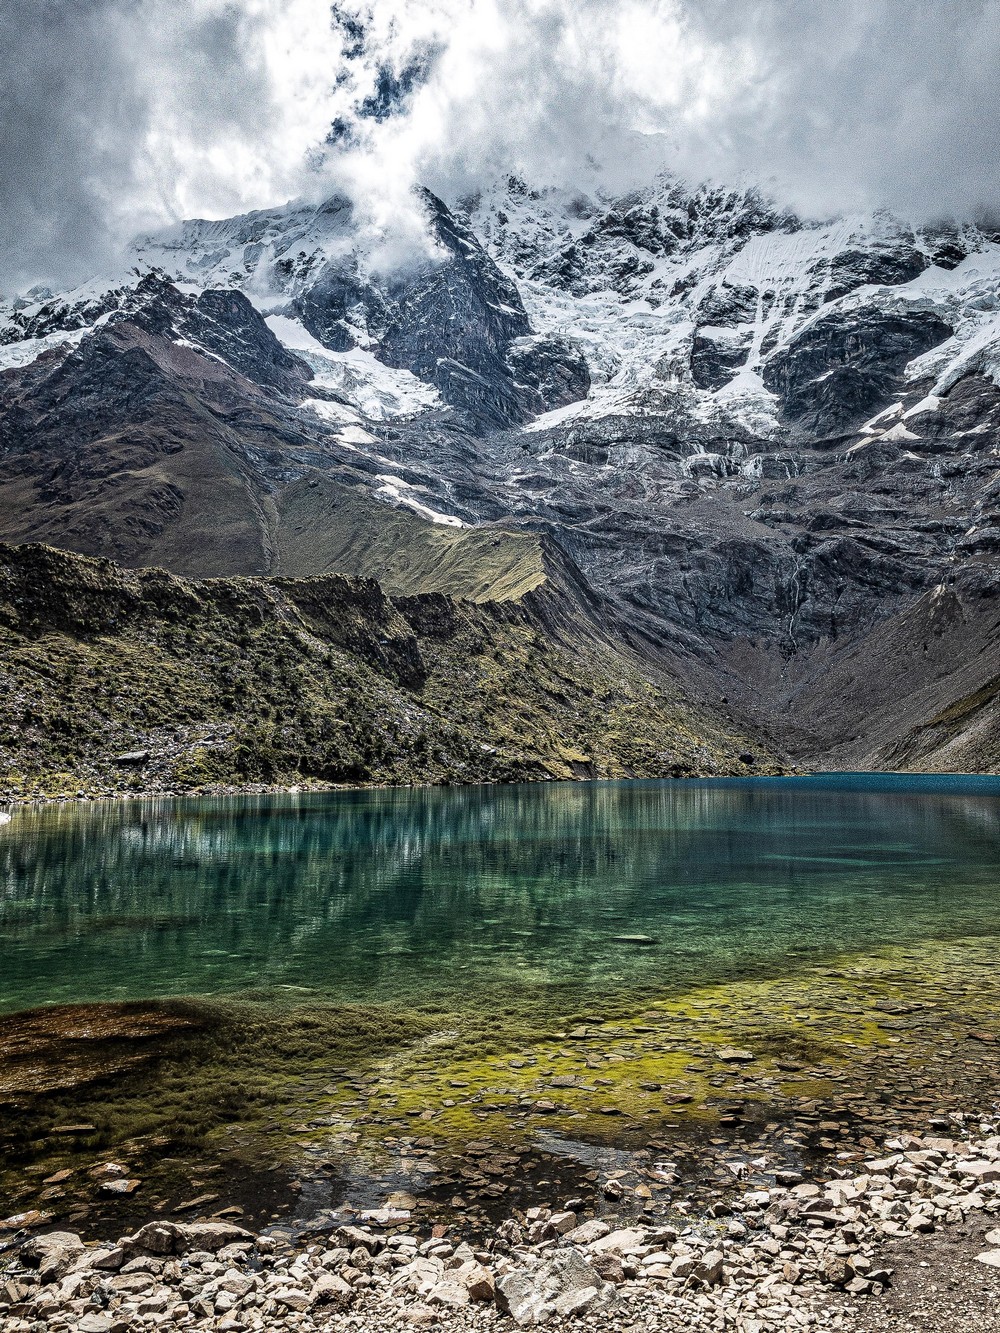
[
  {"x": 235, "y": 682},
  {"x": 327, "y": 528},
  {"x": 286, "y": 1082}
]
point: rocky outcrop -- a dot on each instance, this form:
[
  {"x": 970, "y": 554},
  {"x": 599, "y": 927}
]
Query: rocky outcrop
[
  {"x": 168, "y": 684},
  {"x": 843, "y": 367}
]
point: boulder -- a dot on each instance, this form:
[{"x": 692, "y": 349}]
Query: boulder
[
  {"x": 518, "y": 1296},
  {"x": 168, "y": 1238},
  {"x": 329, "y": 1289},
  {"x": 709, "y": 1268},
  {"x": 588, "y": 1232},
  {"x": 53, "y": 1254}
]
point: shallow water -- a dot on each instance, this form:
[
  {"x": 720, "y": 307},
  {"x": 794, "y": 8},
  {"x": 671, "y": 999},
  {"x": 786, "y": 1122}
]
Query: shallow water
[{"x": 476, "y": 896}]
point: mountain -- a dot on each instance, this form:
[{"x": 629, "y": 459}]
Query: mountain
[
  {"x": 764, "y": 445},
  {"x": 118, "y": 681}
]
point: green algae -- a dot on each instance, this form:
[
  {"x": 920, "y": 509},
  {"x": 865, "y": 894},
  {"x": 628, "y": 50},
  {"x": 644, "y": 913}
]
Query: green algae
[{"x": 281, "y": 1082}]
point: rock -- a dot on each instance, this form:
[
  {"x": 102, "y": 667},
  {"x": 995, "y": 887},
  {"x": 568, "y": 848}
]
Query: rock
[
  {"x": 837, "y": 1271},
  {"x": 709, "y": 1268},
  {"x": 355, "y": 1238},
  {"x": 33, "y": 1218},
  {"x": 110, "y": 1260},
  {"x": 292, "y": 1298},
  {"x": 571, "y": 1272},
  {"x": 121, "y": 1186},
  {"x": 420, "y": 1315},
  {"x": 517, "y": 1296},
  {"x": 53, "y": 1254},
  {"x": 624, "y": 1241},
  {"x": 732, "y": 1055},
  {"x": 449, "y": 1292},
  {"x": 199, "y": 1202},
  {"x": 839, "y": 369},
  {"x": 990, "y": 1257},
  {"x": 401, "y": 1200},
  {"x": 477, "y": 1279},
  {"x": 983, "y": 1171},
  {"x": 587, "y": 1233},
  {"x": 94, "y": 1323},
  {"x": 575, "y": 1302},
  {"x": 179, "y": 1237},
  {"x": 59, "y": 1177},
  {"x": 385, "y": 1217},
  {"x": 329, "y": 1289},
  {"x": 609, "y": 1267}
]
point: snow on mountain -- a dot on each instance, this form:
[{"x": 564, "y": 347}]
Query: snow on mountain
[
  {"x": 679, "y": 301},
  {"x": 265, "y": 254},
  {"x": 376, "y": 391},
  {"x": 678, "y": 298}
]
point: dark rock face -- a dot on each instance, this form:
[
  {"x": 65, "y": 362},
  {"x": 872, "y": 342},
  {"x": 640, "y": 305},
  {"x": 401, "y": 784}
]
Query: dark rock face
[
  {"x": 327, "y": 304},
  {"x": 844, "y": 366},
  {"x": 555, "y": 368},
  {"x": 717, "y": 356},
  {"x": 881, "y": 267},
  {"x": 452, "y": 322},
  {"x": 728, "y": 304},
  {"x": 227, "y": 324}
]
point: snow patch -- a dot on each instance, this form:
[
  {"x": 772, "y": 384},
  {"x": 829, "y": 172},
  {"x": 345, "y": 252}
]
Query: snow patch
[
  {"x": 15, "y": 355},
  {"x": 398, "y": 491},
  {"x": 378, "y": 392}
]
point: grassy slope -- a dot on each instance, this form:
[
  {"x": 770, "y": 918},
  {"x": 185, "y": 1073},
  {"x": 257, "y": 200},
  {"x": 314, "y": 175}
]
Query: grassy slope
[
  {"x": 277, "y": 681},
  {"x": 325, "y": 528}
]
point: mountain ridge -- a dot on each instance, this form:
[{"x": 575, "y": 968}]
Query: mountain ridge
[{"x": 123, "y": 681}]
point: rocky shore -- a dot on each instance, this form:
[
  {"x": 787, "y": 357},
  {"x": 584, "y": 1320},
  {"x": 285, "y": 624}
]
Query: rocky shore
[{"x": 801, "y": 1253}]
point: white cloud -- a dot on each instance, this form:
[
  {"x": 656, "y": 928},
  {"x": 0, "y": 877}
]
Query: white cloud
[{"x": 122, "y": 113}]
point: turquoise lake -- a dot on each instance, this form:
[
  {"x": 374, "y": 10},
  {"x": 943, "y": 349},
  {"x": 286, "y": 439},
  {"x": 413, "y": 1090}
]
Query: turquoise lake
[{"x": 470, "y": 895}]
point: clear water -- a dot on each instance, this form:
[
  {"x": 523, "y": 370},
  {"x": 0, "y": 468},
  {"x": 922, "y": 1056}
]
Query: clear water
[{"x": 474, "y": 895}]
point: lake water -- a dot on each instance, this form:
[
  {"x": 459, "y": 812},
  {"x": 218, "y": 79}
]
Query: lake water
[{"x": 469, "y": 896}]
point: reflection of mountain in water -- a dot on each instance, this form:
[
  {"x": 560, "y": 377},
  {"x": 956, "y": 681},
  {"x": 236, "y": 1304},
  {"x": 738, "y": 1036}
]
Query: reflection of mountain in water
[{"x": 433, "y": 893}]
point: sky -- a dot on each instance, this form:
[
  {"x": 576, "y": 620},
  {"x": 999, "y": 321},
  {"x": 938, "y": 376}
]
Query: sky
[{"x": 121, "y": 116}]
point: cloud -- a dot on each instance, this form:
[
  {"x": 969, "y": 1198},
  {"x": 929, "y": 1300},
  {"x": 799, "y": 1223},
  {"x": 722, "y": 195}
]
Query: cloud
[
  {"x": 854, "y": 105},
  {"x": 121, "y": 114},
  {"x": 857, "y": 104}
]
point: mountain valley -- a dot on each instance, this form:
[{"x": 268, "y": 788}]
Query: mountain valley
[{"x": 760, "y": 451}]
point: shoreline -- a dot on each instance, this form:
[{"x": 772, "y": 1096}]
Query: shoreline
[
  {"x": 11, "y": 801},
  {"x": 339, "y": 1105},
  {"x": 848, "y": 1249}
]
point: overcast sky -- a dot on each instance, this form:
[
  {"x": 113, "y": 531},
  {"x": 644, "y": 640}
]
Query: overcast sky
[{"x": 121, "y": 115}]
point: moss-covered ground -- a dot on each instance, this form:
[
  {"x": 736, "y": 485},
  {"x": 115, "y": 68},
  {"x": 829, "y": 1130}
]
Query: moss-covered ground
[{"x": 285, "y": 1089}]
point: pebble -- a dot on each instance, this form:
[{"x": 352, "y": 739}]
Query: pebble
[{"x": 771, "y": 1262}]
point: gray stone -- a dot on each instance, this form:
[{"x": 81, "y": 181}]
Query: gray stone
[
  {"x": 588, "y": 1232},
  {"x": 709, "y": 1268}
]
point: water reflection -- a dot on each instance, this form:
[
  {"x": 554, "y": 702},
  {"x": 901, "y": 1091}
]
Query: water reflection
[{"x": 466, "y": 894}]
